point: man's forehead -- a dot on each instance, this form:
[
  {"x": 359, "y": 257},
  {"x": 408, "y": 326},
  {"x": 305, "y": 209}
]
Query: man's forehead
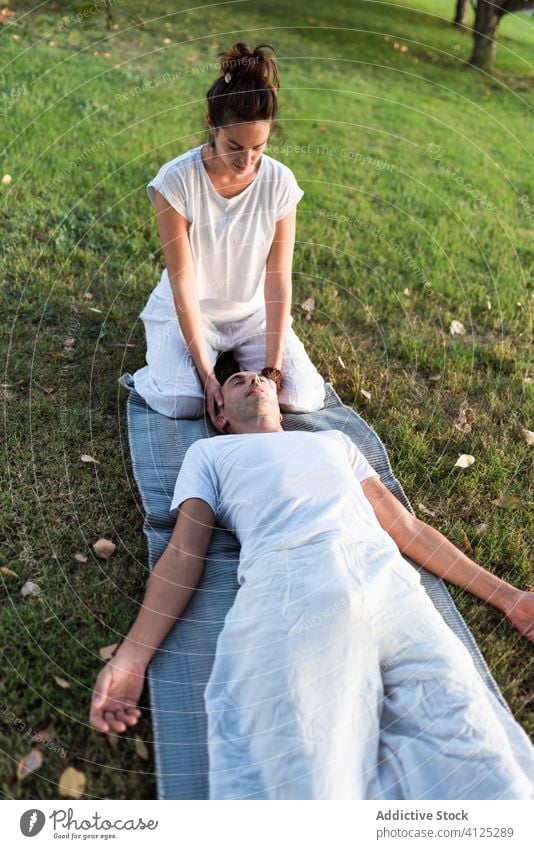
[{"x": 243, "y": 374}]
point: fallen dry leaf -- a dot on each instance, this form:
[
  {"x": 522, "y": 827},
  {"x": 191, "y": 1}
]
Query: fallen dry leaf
[
  {"x": 5, "y": 571},
  {"x": 113, "y": 739},
  {"x": 456, "y": 328},
  {"x": 141, "y": 748},
  {"x": 341, "y": 363},
  {"x": 106, "y": 652},
  {"x": 482, "y": 528},
  {"x": 104, "y": 548},
  {"x": 45, "y": 735},
  {"x": 464, "y": 461},
  {"x": 72, "y": 783},
  {"x": 81, "y": 558},
  {"x": 467, "y": 545},
  {"x": 308, "y": 306},
  {"x": 365, "y": 394},
  {"x": 421, "y": 507},
  {"x": 529, "y": 436},
  {"x": 465, "y": 419},
  {"x": 30, "y": 588},
  {"x": 509, "y": 501},
  {"x": 86, "y": 458},
  {"x": 29, "y": 763},
  {"x": 61, "y": 682}
]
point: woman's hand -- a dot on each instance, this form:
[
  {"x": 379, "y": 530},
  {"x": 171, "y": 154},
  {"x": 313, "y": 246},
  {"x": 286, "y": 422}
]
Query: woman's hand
[
  {"x": 116, "y": 694},
  {"x": 214, "y": 398},
  {"x": 520, "y": 612}
]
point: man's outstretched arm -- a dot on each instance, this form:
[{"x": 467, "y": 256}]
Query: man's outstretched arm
[
  {"x": 169, "y": 589},
  {"x": 428, "y": 547}
]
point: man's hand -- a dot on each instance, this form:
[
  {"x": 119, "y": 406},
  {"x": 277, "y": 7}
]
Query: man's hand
[
  {"x": 214, "y": 398},
  {"x": 116, "y": 693},
  {"x": 520, "y": 612}
]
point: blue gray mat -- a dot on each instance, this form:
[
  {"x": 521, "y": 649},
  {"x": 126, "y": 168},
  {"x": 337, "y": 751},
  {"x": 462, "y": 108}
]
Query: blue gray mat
[{"x": 179, "y": 671}]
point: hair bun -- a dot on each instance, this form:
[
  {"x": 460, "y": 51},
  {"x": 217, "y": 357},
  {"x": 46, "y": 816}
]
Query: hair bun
[{"x": 240, "y": 62}]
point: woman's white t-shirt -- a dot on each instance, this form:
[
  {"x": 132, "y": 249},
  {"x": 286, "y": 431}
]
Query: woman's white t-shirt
[{"x": 230, "y": 237}]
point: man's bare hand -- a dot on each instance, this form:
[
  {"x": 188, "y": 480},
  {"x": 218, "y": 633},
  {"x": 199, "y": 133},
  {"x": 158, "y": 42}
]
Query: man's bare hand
[
  {"x": 116, "y": 694},
  {"x": 520, "y": 612}
]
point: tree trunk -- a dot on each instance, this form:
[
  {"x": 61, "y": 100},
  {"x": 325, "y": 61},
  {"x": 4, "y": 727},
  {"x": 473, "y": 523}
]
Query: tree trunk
[
  {"x": 487, "y": 19},
  {"x": 460, "y": 17},
  {"x": 109, "y": 16}
]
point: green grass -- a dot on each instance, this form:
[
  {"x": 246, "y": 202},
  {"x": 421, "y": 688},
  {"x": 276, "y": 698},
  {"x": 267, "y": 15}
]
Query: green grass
[{"x": 84, "y": 138}]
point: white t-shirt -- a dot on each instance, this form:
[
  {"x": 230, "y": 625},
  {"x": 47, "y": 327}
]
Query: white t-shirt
[
  {"x": 230, "y": 237},
  {"x": 281, "y": 490}
]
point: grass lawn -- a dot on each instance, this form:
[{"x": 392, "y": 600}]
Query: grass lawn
[{"x": 418, "y": 210}]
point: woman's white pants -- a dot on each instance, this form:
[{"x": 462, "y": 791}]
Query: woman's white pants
[{"x": 170, "y": 384}]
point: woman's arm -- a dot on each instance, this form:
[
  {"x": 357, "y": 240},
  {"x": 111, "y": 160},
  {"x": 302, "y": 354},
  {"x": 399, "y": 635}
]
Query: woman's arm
[
  {"x": 174, "y": 235},
  {"x": 428, "y": 547},
  {"x": 278, "y": 288},
  {"x": 169, "y": 589}
]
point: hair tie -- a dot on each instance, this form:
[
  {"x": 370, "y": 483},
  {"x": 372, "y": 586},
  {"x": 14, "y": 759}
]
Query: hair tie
[{"x": 227, "y": 77}]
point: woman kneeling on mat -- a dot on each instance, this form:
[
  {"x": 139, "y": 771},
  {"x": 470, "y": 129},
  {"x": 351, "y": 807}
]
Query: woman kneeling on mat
[{"x": 226, "y": 217}]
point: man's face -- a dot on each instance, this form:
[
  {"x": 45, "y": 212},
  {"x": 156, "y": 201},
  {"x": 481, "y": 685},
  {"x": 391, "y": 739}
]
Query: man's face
[{"x": 247, "y": 395}]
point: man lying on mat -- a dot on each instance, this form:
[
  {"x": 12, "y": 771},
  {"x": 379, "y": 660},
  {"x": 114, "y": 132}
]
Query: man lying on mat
[{"x": 335, "y": 677}]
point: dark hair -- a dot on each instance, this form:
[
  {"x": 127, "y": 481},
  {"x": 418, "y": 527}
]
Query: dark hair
[
  {"x": 252, "y": 92},
  {"x": 225, "y": 367}
]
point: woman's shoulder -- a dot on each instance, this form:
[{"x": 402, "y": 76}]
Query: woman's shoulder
[
  {"x": 277, "y": 167},
  {"x": 181, "y": 164}
]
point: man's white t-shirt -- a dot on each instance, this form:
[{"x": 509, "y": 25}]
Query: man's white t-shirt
[
  {"x": 281, "y": 490},
  {"x": 230, "y": 237}
]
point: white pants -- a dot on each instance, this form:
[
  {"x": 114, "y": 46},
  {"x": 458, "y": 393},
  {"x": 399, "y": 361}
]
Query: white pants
[
  {"x": 170, "y": 384},
  {"x": 335, "y": 677}
]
